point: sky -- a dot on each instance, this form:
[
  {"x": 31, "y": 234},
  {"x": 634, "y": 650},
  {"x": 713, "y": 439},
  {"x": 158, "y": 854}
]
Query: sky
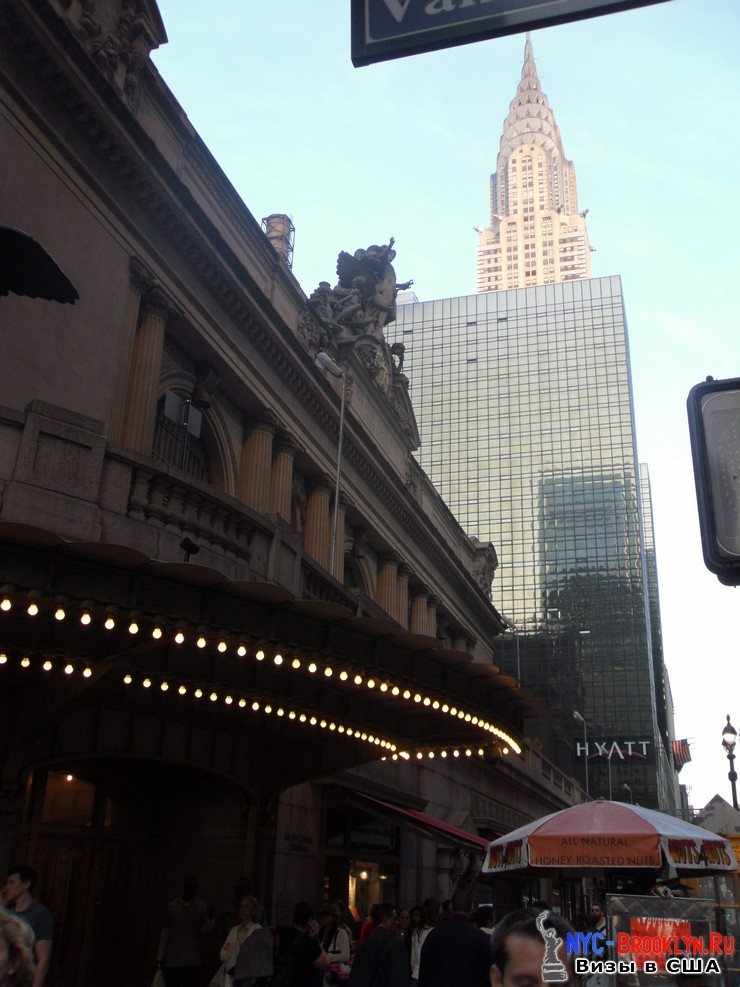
[{"x": 648, "y": 104}]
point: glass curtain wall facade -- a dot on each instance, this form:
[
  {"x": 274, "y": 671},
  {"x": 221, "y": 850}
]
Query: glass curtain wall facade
[{"x": 524, "y": 405}]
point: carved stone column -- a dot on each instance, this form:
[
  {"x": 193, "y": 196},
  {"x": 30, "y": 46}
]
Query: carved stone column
[
  {"x": 255, "y": 467},
  {"x": 432, "y": 617},
  {"x": 403, "y": 596},
  {"x": 419, "y": 614},
  {"x": 144, "y": 373},
  {"x": 339, "y": 552},
  {"x": 387, "y": 581},
  {"x": 317, "y": 534},
  {"x": 282, "y": 478}
]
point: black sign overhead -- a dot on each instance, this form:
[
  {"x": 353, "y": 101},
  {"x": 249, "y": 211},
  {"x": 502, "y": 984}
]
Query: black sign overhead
[{"x": 383, "y": 29}]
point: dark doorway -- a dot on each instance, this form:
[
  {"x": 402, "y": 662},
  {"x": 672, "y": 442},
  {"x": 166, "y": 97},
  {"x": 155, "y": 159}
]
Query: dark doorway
[{"x": 112, "y": 841}]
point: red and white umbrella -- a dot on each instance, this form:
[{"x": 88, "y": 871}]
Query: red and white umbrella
[{"x": 612, "y": 836}]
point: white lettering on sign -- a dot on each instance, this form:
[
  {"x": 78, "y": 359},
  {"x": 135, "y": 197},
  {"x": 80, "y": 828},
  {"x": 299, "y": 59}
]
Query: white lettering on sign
[
  {"x": 612, "y": 748},
  {"x": 398, "y": 8}
]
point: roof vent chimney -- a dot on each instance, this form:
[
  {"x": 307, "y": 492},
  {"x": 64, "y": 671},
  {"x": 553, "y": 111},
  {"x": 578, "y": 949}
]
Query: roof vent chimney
[{"x": 280, "y": 231}]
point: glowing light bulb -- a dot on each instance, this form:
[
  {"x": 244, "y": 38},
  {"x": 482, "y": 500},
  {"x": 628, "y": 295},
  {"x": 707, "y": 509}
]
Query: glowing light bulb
[
  {"x": 295, "y": 664},
  {"x": 453, "y": 711},
  {"x": 358, "y": 680},
  {"x": 198, "y": 693},
  {"x": 417, "y": 698},
  {"x": 47, "y": 666},
  {"x": 241, "y": 651},
  {"x": 445, "y": 708},
  {"x": 5, "y": 604},
  {"x": 313, "y": 721},
  {"x": 302, "y": 718},
  {"x": 343, "y": 676},
  {"x": 419, "y": 755},
  {"x": 133, "y": 627},
  {"x": 480, "y": 752},
  {"x": 147, "y": 683},
  {"x": 109, "y": 623},
  {"x": 86, "y": 673},
  {"x": 406, "y": 694},
  {"x": 371, "y": 683},
  {"x": 200, "y": 642},
  {"x": 255, "y": 707},
  {"x": 242, "y": 703},
  {"x": 85, "y": 618},
  {"x": 25, "y": 662},
  {"x": 268, "y": 709},
  {"x": 228, "y": 700},
  {"x": 456, "y": 753},
  {"x": 213, "y": 697},
  {"x": 179, "y": 637},
  {"x": 59, "y": 614},
  {"x": 281, "y": 711},
  {"x": 395, "y": 691},
  {"x": 221, "y": 646},
  {"x": 69, "y": 777},
  {"x": 383, "y": 686},
  {"x": 32, "y": 609},
  {"x": 127, "y": 680},
  {"x": 68, "y": 669},
  {"x": 278, "y": 659},
  {"x": 443, "y": 754},
  {"x": 164, "y": 686},
  {"x": 260, "y": 656},
  {"x": 468, "y": 752},
  {"x": 431, "y": 754},
  {"x": 328, "y": 671},
  {"x": 435, "y": 704},
  {"x": 505, "y": 750},
  {"x": 427, "y": 701},
  {"x": 332, "y": 726},
  {"x": 156, "y": 633},
  {"x": 313, "y": 668},
  {"x": 322, "y": 724},
  {"x": 182, "y": 690},
  {"x": 340, "y": 729},
  {"x": 291, "y": 715}
]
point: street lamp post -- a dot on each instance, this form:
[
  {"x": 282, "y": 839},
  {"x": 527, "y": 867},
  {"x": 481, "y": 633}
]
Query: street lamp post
[
  {"x": 581, "y": 719},
  {"x": 729, "y": 739},
  {"x": 324, "y": 362}
]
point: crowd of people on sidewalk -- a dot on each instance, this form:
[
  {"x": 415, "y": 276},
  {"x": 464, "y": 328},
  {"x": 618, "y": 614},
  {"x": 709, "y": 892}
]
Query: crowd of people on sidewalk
[{"x": 430, "y": 945}]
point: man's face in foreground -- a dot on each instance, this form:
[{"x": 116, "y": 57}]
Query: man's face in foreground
[{"x": 524, "y": 963}]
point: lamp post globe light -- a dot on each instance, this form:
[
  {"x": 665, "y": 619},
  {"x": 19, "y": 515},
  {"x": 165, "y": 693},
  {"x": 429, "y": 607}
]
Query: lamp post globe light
[{"x": 729, "y": 739}]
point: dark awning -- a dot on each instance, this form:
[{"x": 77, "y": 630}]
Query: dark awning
[{"x": 431, "y": 824}]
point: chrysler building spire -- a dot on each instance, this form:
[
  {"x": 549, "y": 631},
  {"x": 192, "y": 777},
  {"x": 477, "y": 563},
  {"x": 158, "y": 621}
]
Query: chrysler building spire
[{"x": 534, "y": 198}]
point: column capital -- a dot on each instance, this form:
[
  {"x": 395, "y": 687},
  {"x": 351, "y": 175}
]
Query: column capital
[
  {"x": 140, "y": 275},
  {"x": 156, "y": 302},
  {"x": 285, "y": 442},
  {"x": 263, "y": 421},
  {"x": 320, "y": 481}
]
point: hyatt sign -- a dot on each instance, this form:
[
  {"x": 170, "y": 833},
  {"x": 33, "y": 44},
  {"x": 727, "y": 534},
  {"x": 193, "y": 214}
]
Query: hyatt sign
[{"x": 383, "y": 29}]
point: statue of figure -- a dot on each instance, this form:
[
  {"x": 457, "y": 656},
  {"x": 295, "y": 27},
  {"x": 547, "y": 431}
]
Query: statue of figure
[
  {"x": 553, "y": 969},
  {"x": 367, "y": 289},
  {"x": 399, "y": 350}
]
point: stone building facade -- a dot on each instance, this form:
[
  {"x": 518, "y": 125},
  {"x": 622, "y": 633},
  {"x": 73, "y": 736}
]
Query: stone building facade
[{"x": 189, "y": 684}]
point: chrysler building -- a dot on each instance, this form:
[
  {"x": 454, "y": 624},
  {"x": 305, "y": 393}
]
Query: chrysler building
[{"x": 537, "y": 235}]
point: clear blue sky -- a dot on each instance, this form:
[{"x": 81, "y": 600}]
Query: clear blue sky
[{"x": 648, "y": 103}]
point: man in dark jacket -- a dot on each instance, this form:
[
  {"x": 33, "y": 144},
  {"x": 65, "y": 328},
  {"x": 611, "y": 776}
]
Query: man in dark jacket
[
  {"x": 382, "y": 960},
  {"x": 455, "y": 952}
]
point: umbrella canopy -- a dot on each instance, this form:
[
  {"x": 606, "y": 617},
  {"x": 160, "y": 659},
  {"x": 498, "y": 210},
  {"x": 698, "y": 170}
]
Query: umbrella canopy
[
  {"x": 27, "y": 269},
  {"x": 612, "y": 836}
]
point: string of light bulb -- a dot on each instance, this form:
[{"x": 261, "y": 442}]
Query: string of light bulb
[
  {"x": 176, "y": 633},
  {"x": 231, "y": 698}
]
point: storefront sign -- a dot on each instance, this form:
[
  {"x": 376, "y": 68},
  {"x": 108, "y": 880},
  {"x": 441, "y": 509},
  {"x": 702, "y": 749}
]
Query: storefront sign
[
  {"x": 383, "y": 29},
  {"x": 623, "y": 750},
  {"x": 699, "y": 854}
]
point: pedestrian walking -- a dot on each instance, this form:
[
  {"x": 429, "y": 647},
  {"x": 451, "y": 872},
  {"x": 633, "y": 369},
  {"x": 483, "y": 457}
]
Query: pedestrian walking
[
  {"x": 382, "y": 960},
  {"x": 336, "y": 942},
  {"x": 248, "y": 913},
  {"x": 429, "y": 918},
  {"x": 16, "y": 952},
  {"x": 455, "y": 952},
  {"x": 188, "y": 920},
  {"x": 518, "y": 949},
  {"x": 369, "y": 925},
  {"x": 18, "y": 898},
  {"x": 306, "y": 960}
]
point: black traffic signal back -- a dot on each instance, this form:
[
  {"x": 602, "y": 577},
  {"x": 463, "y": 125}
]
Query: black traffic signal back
[{"x": 714, "y": 426}]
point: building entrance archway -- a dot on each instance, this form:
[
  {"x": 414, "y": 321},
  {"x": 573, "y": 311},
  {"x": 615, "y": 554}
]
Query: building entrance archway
[{"x": 112, "y": 841}]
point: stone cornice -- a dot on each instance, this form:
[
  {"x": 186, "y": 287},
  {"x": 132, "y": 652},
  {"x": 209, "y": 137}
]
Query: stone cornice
[{"x": 46, "y": 47}]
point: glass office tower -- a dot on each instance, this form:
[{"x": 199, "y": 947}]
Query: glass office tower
[{"x": 524, "y": 405}]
